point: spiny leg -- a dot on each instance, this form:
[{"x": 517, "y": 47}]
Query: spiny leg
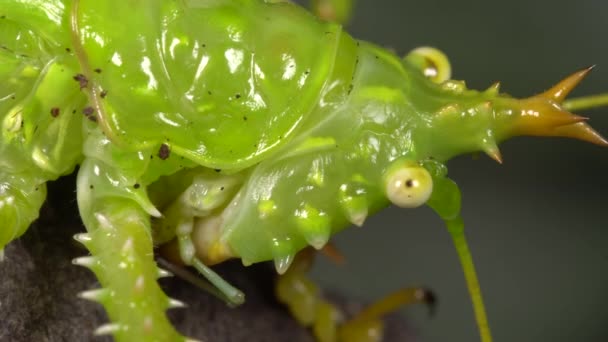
[
  {"x": 120, "y": 242},
  {"x": 21, "y": 196},
  {"x": 304, "y": 300}
]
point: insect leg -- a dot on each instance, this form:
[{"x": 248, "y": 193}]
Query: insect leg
[
  {"x": 21, "y": 196},
  {"x": 367, "y": 325},
  {"x": 303, "y": 298},
  {"x": 188, "y": 256},
  {"x": 205, "y": 193},
  {"x": 445, "y": 200},
  {"x": 122, "y": 256}
]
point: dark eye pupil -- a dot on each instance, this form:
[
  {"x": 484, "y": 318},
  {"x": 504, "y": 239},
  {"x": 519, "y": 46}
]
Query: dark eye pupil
[{"x": 409, "y": 183}]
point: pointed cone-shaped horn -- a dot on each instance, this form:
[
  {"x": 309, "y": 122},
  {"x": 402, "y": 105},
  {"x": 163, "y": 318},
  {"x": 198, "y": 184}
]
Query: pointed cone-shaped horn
[
  {"x": 581, "y": 131},
  {"x": 491, "y": 149},
  {"x": 559, "y": 91},
  {"x": 543, "y": 114},
  {"x": 539, "y": 116},
  {"x": 494, "y": 89}
]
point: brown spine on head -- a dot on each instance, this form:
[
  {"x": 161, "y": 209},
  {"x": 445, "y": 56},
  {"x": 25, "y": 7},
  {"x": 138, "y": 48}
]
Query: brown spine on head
[{"x": 543, "y": 115}]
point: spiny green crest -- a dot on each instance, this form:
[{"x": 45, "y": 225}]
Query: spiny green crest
[{"x": 476, "y": 121}]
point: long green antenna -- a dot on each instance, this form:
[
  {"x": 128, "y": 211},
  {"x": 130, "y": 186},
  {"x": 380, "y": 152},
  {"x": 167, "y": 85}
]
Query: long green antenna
[
  {"x": 456, "y": 229},
  {"x": 586, "y": 102},
  {"x": 445, "y": 200}
]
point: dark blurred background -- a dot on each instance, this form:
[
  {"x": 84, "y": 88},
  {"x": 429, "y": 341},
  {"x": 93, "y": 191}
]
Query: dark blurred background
[{"x": 537, "y": 224}]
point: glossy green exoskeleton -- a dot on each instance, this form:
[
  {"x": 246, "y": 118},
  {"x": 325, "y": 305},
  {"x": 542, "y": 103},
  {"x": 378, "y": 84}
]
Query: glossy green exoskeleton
[{"x": 230, "y": 129}]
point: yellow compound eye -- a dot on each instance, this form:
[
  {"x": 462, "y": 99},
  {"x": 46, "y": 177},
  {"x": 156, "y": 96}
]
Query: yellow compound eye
[
  {"x": 408, "y": 186},
  {"x": 433, "y": 63}
]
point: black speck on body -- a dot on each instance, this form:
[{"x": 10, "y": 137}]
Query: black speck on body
[
  {"x": 68, "y": 50},
  {"x": 82, "y": 80},
  {"x": 97, "y": 70},
  {"x": 222, "y": 188},
  {"x": 218, "y": 170},
  {"x": 136, "y": 186},
  {"x": 91, "y": 187},
  {"x": 164, "y": 152},
  {"x": 244, "y": 118},
  {"x": 103, "y": 94},
  {"x": 55, "y": 112},
  {"x": 237, "y": 96},
  {"x": 88, "y": 111}
]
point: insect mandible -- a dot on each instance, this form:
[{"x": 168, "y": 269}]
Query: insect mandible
[{"x": 237, "y": 142}]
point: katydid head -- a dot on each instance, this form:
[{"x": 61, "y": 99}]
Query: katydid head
[{"x": 467, "y": 121}]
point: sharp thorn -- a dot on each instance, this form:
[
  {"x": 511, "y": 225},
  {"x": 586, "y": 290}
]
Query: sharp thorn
[
  {"x": 104, "y": 222},
  {"x": 495, "y": 154},
  {"x": 281, "y": 264},
  {"x": 83, "y": 238},
  {"x": 163, "y": 273},
  {"x": 107, "y": 329},
  {"x": 559, "y": 91},
  {"x": 96, "y": 295},
  {"x": 581, "y": 131},
  {"x": 317, "y": 241},
  {"x": 491, "y": 149},
  {"x": 494, "y": 89},
  {"x": 86, "y": 261},
  {"x": 176, "y": 304},
  {"x": 357, "y": 218}
]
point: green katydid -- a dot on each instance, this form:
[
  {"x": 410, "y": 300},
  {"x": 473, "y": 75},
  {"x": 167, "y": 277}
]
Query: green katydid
[{"x": 232, "y": 129}]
